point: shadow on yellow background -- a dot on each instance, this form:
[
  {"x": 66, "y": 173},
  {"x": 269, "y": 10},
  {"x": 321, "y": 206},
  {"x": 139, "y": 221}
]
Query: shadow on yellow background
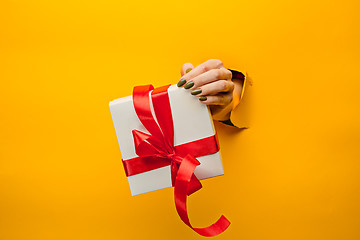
[{"x": 294, "y": 174}]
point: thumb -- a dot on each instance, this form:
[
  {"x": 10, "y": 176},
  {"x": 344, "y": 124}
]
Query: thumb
[{"x": 187, "y": 67}]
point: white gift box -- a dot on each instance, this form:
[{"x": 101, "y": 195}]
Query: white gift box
[{"x": 192, "y": 121}]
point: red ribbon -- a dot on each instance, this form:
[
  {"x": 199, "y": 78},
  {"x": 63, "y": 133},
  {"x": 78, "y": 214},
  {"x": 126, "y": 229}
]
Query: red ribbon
[{"x": 157, "y": 150}]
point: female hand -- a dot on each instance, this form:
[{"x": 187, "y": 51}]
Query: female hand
[{"x": 212, "y": 83}]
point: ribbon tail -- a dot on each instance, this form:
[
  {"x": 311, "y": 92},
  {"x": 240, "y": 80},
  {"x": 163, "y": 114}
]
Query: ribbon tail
[
  {"x": 182, "y": 181},
  {"x": 194, "y": 185}
]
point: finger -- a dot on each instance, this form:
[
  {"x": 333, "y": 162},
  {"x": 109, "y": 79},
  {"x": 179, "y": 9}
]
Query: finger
[
  {"x": 187, "y": 67},
  {"x": 208, "y": 77},
  {"x": 202, "y": 68},
  {"x": 213, "y": 88},
  {"x": 219, "y": 99}
]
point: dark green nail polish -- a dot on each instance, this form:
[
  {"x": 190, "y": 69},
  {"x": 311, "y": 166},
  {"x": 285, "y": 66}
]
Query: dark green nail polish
[
  {"x": 203, "y": 98},
  {"x": 189, "y": 85},
  {"x": 196, "y": 91},
  {"x": 181, "y": 82},
  {"x": 188, "y": 70}
]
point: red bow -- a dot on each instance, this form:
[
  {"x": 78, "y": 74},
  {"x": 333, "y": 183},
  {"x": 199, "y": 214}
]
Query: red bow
[{"x": 157, "y": 150}]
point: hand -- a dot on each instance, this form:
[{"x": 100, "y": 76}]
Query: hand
[{"x": 212, "y": 83}]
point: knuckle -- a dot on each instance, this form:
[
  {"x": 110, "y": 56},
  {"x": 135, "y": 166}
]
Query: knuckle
[
  {"x": 224, "y": 99},
  {"x": 228, "y": 74},
  {"x": 221, "y": 99},
  {"x": 215, "y": 63},
  {"x": 223, "y": 85},
  {"x": 231, "y": 85},
  {"x": 204, "y": 68},
  {"x": 216, "y": 101},
  {"x": 229, "y": 98},
  {"x": 210, "y": 61},
  {"x": 217, "y": 73}
]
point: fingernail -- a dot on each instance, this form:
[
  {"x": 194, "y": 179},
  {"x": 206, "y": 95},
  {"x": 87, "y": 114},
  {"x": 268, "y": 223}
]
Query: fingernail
[
  {"x": 188, "y": 70},
  {"x": 189, "y": 85},
  {"x": 196, "y": 91},
  {"x": 203, "y": 98},
  {"x": 181, "y": 82}
]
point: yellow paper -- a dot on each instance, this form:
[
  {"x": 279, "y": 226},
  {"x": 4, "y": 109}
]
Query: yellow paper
[{"x": 293, "y": 174}]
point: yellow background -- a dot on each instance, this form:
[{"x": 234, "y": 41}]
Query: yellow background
[{"x": 294, "y": 174}]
